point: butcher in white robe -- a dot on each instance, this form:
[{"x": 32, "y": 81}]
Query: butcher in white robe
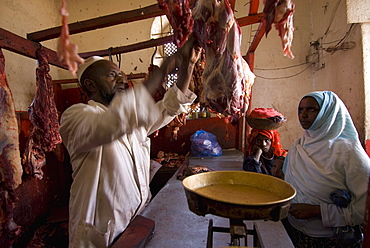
[{"x": 110, "y": 155}]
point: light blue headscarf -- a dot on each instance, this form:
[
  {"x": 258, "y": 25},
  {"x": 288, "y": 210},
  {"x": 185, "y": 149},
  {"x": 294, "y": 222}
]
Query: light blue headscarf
[
  {"x": 333, "y": 120},
  {"x": 326, "y": 158}
]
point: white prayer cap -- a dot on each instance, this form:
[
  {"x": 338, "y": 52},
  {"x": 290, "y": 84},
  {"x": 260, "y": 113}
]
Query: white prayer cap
[{"x": 82, "y": 67}]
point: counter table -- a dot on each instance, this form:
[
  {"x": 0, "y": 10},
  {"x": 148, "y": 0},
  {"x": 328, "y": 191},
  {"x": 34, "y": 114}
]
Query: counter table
[{"x": 177, "y": 227}]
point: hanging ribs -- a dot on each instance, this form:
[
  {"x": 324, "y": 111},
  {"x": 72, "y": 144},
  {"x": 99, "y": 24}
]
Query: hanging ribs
[
  {"x": 44, "y": 133},
  {"x": 10, "y": 160}
]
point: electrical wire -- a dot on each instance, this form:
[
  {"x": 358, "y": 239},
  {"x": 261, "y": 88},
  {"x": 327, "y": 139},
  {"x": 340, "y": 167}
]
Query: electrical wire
[
  {"x": 281, "y": 68},
  {"x": 332, "y": 17},
  {"x": 342, "y": 39},
  {"x": 347, "y": 34},
  {"x": 286, "y": 76}
]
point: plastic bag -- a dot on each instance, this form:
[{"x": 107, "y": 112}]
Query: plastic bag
[{"x": 204, "y": 144}]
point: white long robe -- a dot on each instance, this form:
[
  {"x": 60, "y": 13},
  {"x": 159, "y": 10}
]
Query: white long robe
[
  {"x": 110, "y": 157},
  {"x": 328, "y": 157},
  {"x": 315, "y": 175}
]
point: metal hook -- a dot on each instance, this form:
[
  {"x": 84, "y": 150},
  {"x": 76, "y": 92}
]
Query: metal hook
[
  {"x": 119, "y": 59},
  {"x": 110, "y": 53}
]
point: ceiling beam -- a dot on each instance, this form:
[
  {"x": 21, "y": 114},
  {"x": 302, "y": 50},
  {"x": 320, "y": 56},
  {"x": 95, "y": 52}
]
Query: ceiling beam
[
  {"x": 257, "y": 39},
  {"x": 28, "y": 47},
  {"x": 22, "y": 46},
  {"x": 120, "y": 18},
  {"x": 253, "y": 7},
  {"x": 75, "y": 81},
  {"x": 17, "y": 44},
  {"x": 251, "y": 19},
  {"x": 129, "y": 48},
  {"x": 99, "y": 22}
]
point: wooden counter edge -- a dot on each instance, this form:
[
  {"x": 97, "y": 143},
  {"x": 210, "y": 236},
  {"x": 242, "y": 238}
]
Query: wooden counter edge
[{"x": 137, "y": 233}]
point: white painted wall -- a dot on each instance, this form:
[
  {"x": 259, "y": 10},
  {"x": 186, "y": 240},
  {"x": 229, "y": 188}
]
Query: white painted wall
[
  {"x": 365, "y": 30},
  {"x": 22, "y": 17},
  {"x": 343, "y": 72},
  {"x": 280, "y": 81}
]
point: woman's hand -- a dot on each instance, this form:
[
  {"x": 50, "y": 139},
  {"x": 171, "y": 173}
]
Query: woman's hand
[
  {"x": 256, "y": 152},
  {"x": 304, "y": 211}
]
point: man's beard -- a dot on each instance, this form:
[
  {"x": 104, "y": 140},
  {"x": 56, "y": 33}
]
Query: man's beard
[{"x": 108, "y": 97}]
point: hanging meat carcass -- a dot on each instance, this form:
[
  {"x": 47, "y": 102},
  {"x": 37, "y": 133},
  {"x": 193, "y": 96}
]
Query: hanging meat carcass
[
  {"x": 280, "y": 13},
  {"x": 44, "y": 133},
  {"x": 178, "y": 13},
  {"x": 67, "y": 51},
  {"x": 227, "y": 78},
  {"x": 10, "y": 161}
]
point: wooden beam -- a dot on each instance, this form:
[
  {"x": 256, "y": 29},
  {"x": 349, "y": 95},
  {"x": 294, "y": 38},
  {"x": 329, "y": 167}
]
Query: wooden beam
[
  {"x": 99, "y": 22},
  {"x": 232, "y": 4},
  {"x": 129, "y": 48},
  {"x": 251, "y": 19},
  {"x": 257, "y": 38},
  {"x": 253, "y": 6},
  {"x": 74, "y": 80},
  {"x": 22, "y": 46}
]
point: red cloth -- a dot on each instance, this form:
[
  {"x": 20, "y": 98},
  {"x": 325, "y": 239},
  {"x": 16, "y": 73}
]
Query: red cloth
[
  {"x": 273, "y": 135},
  {"x": 264, "y": 113}
]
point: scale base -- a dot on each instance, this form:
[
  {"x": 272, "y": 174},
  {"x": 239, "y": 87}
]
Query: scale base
[{"x": 237, "y": 230}]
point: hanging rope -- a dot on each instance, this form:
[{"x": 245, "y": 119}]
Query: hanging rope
[
  {"x": 119, "y": 59},
  {"x": 110, "y": 54},
  {"x": 152, "y": 59}
]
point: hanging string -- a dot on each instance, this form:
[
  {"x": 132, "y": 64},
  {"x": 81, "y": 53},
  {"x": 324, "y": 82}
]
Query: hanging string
[
  {"x": 119, "y": 59},
  {"x": 129, "y": 80},
  {"x": 152, "y": 59},
  {"x": 110, "y": 53}
]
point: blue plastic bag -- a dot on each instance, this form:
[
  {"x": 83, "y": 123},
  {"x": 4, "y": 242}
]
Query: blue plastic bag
[{"x": 204, "y": 144}]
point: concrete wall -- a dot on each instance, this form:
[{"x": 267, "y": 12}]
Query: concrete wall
[{"x": 280, "y": 81}]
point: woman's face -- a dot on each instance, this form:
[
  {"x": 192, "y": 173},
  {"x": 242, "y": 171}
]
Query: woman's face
[
  {"x": 308, "y": 110},
  {"x": 263, "y": 142}
]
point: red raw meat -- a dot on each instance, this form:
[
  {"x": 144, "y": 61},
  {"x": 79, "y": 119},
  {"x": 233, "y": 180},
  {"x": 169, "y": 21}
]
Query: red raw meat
[
  {"x": 44, "y": 134},
  {"x": 67, "y": 51},
  {"x": 227, "y": 78},
  {"x": 280, "y": 13},
  {"x": 10, "y": 161},
  {"x": 179, "y": 15}
]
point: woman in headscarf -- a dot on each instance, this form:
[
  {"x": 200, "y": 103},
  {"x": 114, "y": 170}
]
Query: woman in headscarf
[
  {"x": 264, "y": 148},
  {"x": 329, "y": 169}
]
